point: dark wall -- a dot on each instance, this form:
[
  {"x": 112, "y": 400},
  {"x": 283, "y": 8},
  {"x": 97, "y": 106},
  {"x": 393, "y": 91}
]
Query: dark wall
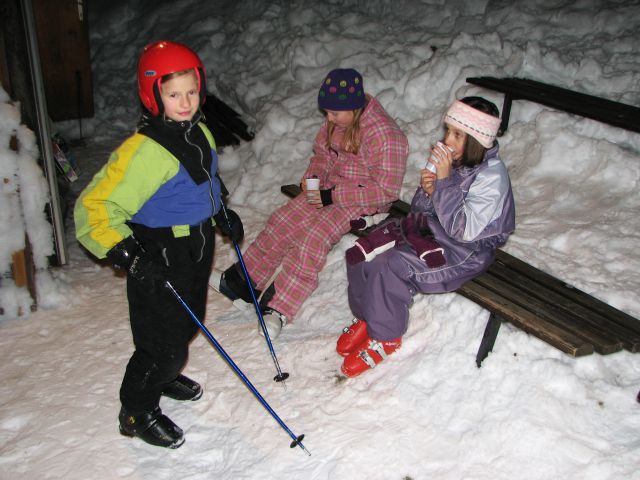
[{"x": 16, "y": 79}]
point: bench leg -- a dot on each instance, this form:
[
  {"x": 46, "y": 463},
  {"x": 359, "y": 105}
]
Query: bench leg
[
  {"x": 489, "y": 338},
  {"x": 506, "y": 111}
]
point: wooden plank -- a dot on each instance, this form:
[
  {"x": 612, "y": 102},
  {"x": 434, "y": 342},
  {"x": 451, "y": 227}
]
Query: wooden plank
[
  {"x": 398, "y": 208},
  {"x": 590, "y": 319},
  {"x": 19, "y": 268},
  {"x": 613, "y": 113},
  {"x": 541, "y": 328},
  {"x": 63, "y": 44},
  {"x": 291, "y": 190},
  {"x": 602, "y": 342},
  {"x": 569, "y": 291}
]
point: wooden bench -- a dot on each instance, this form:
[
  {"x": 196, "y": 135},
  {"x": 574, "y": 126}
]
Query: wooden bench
[
  {"x": 606, "y": 111},
  {"x": 540, "y": 304}
]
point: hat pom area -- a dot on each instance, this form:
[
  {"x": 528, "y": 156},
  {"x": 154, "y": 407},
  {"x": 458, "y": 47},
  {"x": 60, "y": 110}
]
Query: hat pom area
[{"x": 342, "y": 89}]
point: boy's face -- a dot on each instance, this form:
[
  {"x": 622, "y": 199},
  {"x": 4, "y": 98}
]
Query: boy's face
[{"x": 180, "y": 97}]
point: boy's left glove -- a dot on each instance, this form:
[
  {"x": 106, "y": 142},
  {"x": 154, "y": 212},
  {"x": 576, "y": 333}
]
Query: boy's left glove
[
  {"x": 232, "y": 228},
  {"x": 129, "y": 255}
]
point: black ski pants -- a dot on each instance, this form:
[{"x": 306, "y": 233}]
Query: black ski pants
[{"x": 162, "y": 329}]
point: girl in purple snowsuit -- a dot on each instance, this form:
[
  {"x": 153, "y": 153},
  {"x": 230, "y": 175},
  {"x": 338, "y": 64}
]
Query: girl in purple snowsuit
[
  {"x": 459, "y": 216},
  {"x": 359, "y": 156}
]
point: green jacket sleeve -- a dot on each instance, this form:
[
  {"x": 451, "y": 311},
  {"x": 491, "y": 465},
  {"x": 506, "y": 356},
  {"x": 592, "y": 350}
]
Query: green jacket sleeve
[{"x": 132, "y": 175}]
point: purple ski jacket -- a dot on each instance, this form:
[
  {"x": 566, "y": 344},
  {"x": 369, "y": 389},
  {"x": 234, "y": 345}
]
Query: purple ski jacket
[{"x": 470, "y": 214}]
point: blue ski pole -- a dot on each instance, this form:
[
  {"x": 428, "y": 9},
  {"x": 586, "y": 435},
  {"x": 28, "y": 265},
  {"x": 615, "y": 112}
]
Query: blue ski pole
[
  {"x": 280, "y": 377},
  {"x": 296, "y": 440}
]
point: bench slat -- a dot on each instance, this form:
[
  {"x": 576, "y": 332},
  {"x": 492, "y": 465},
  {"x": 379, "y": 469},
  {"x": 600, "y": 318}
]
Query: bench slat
[
  {"x": 578, "y": 296},
  {"x": 602, "y": 343},
  {"x": 606, "y": 111},
  {"x": 574, "y": 313},
  {"x": 561, "y": 339}
]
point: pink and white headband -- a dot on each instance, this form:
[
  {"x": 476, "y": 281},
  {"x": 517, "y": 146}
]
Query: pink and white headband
[{"x": 481, "y": 126}]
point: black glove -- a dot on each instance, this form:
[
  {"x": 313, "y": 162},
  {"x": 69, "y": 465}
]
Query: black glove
[
  {"x": 130, "y": 256},
  {"x": 232, "y": 227},
  {"x": 326, "y": 197}
]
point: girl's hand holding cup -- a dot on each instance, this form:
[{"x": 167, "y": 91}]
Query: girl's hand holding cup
[{"x": 438, "y": 166}]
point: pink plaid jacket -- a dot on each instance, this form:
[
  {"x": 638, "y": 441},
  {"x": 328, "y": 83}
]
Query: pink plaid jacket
[
  {"x": 370, "y": 180},
  {"x": 299, "y": 236}
]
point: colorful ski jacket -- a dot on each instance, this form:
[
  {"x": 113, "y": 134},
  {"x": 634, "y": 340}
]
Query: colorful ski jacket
[
  {"x": 371, "y": 179},
  {"x": 150, "y": 184}
]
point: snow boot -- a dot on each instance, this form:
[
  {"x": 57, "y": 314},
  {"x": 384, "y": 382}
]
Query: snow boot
[
  {"x": 273, "y": 321},
  {"x": 152, "y": 427},
  {"x": 370, "y": 353},
  {"x": 183, "y": 388},
  {"x": 352, "y": 337},
  {"x": 231, "y": 284}
]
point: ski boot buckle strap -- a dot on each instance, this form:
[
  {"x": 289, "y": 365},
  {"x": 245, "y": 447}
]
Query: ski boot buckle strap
[
  {"x": 346, "y": 329},
  {"x": 378, "y": 348},
  {"x": 366, "y": 358}
]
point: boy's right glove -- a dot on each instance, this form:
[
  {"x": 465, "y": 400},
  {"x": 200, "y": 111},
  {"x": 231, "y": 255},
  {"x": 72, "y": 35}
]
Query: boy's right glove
[
  {"x": 129, "y": 255},
  {"x": 232, "y": 228}
]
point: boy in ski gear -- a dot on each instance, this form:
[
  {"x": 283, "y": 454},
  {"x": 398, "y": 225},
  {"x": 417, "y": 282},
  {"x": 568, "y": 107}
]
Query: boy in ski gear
[
  {"x": 360, "y": 157},
  {"x": 150, "y": 211},
  {"x": 459, "y": 216}
]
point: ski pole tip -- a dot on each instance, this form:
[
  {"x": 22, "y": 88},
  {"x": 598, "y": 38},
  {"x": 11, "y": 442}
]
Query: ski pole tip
[
  {"x": 281, "y": 377},
  {"x": 298, "y": 442}
]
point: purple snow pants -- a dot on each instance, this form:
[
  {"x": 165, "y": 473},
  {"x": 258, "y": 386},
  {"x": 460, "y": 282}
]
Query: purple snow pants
[{"x": 381, "y": 291}]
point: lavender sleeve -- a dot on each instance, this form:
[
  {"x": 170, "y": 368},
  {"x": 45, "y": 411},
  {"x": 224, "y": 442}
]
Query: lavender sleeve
[{"x": 465, "y": 216}]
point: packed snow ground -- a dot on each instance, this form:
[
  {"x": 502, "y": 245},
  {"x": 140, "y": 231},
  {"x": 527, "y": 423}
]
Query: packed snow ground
[{"x": 530, "y": 412}]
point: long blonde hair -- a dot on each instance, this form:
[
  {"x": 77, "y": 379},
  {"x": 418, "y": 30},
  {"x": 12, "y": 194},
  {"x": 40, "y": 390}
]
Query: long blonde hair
[{"x": 351, "y": 139}]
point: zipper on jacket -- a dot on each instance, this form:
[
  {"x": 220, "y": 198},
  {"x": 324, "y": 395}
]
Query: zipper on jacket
[{"x": 208, "y": 174}]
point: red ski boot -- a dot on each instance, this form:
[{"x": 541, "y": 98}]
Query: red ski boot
[
  {"x": 352, "y": 336},
  {"x": 368, "y": 355}
]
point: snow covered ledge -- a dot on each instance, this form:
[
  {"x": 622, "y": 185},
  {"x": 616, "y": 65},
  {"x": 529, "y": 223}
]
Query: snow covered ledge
[{"x": 26, "y": 236}]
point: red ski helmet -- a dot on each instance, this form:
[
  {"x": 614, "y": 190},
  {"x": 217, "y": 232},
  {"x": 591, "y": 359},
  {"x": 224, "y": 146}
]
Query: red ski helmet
[{"x": 162, "y": 58}]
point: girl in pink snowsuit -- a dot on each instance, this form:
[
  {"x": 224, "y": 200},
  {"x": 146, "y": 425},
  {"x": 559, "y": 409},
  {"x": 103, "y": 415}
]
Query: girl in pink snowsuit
[{"x": 359, "y": 157}]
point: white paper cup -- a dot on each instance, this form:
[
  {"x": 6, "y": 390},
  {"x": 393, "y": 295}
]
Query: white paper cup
[
  {"x": 313, "y": 183},
  {"x": 430, "y": 166}
]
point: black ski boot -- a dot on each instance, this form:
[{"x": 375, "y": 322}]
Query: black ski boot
[
  {"x": 152, "y": 427},
  {"x": 183, "y": 388},
  {"x": 231, "y": 284}
]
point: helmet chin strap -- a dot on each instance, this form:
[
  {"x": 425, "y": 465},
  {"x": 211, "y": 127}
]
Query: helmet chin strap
[{"x": 157, "y": 97}]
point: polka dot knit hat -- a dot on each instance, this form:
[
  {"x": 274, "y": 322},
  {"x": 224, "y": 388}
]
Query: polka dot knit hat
[{"x": 341, "y": 90}]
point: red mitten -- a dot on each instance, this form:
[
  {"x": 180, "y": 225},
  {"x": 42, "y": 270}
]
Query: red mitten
[
  {"x": 415, "y": 222},
  {"x": 427, "y": 249},
  {"x": 378, "y": 241},
  {"x": 354, "y": 255}
]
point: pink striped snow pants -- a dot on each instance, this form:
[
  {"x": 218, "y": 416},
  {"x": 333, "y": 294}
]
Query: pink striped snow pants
[{"x": 299, "y": 237}]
